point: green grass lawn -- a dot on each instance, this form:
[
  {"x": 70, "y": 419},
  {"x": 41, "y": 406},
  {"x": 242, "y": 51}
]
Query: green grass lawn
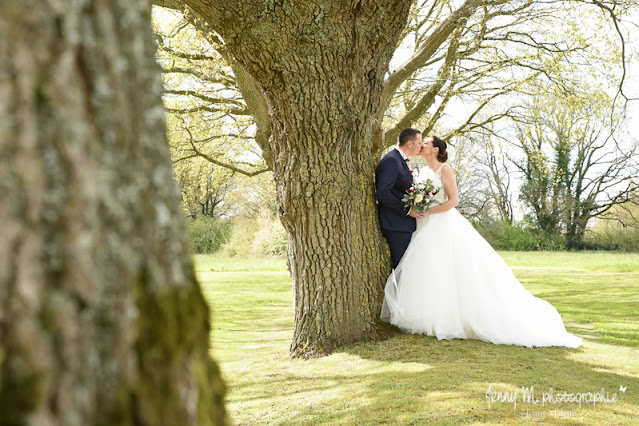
[{"x": 416, "y": 379}]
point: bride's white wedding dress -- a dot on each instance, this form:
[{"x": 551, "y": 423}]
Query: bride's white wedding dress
[{"x": 450, "y": 284}]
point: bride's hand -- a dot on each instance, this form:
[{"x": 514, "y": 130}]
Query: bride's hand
[{"x": 415, "y": 214}]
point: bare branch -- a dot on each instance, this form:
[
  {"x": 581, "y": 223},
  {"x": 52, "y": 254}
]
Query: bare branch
[
  {"x": 235, "y": 111},
  {"x": 234, "y": 103},
  {"x": 428, "y": 97},
  {"x": 197, "y": 153},
  {"x": 435, "y": 40}
]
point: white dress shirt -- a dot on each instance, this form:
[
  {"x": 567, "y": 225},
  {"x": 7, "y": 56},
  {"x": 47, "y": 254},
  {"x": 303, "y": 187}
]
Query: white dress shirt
[{"x": 401, "y": 152}]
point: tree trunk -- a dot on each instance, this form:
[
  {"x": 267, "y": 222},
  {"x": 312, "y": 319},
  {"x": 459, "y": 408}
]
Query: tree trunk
[
  {"x": 577, "y": 223},
  {"x": 321, "y": 65},
  {"x": 101, "y": 318}
]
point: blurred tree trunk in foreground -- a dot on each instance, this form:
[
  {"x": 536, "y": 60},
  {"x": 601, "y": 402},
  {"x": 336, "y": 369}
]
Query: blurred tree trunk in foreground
[{"x": 101, "y": 318}]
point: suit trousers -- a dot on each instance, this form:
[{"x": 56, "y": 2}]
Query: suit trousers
[{"x": 398, "y": 243}]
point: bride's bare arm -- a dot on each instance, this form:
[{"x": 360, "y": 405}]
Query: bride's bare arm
[{"x": 450, "y": 186}]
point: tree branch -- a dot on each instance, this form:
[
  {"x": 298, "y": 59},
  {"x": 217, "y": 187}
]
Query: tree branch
[
  {"x": 198, "y": 153},
  {"x": 169, "y": 4},
  {"x": 428, "y": 97},
  {"x": 209, "y": 99},
  {"x": 436, "y": 39}
]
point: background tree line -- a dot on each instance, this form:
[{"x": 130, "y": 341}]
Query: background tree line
[{"x": 542, "y": 150}]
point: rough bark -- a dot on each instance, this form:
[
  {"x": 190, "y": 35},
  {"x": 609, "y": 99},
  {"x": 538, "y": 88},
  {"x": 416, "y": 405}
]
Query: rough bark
[
  {"x": 321, "y": 65},
  {"x": 101, "y": 318}
]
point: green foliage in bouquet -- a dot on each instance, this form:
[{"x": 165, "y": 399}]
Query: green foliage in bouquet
[{"x": 421, "y": 196}]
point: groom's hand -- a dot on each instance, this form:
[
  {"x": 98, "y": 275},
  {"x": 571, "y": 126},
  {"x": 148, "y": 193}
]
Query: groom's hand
[{"x": 415, "y": 214}]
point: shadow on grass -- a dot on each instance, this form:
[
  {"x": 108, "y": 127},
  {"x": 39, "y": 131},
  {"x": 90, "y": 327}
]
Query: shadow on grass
[
  {"x": 417, "y": 379},
  {"x": 456, "y": 375},
  {"x": 414, "y": 379},
  {"x": 605, "y": 302}
]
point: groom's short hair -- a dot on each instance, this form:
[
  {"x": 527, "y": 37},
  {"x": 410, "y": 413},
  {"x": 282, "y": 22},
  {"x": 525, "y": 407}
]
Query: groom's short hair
[{"x": 406, "y": 135}]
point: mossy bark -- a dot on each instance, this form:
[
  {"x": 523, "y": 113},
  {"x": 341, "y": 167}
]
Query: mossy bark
[
  {"x": 102, "y": 320},
  {"x": 321, "y": 65}
]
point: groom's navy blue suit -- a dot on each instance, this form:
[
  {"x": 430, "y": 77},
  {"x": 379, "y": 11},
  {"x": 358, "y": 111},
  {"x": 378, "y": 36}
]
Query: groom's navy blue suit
[{"x": 392, "y": 179}]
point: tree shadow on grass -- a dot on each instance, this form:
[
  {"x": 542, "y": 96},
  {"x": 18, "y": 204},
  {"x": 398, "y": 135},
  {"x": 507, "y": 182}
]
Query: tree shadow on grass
[
  {"x": 457, "y": 374},
  {"x": 417, "y": 379}
]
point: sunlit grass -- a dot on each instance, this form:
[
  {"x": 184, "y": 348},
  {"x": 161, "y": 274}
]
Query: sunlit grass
[
  {"x": 215, "y": 263},
  {"x": 416, "y": 379},
  {"x": 594, "y": 261}
]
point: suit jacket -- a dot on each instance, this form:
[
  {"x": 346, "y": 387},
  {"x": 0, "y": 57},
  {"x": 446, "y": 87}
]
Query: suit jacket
[{"x": 392, "y": 179}]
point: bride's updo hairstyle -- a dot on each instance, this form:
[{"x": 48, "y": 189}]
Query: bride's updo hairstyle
[{"x": 442, "y": 154}]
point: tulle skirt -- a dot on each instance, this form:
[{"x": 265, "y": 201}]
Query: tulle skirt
[{"x": 451, "y": 284}]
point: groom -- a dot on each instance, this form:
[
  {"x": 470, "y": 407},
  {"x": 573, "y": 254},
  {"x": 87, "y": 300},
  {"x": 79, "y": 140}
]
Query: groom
[{"x": 392, "y": 179}]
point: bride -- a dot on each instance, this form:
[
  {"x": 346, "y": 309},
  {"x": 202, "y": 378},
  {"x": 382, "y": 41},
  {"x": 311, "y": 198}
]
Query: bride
[{"x": 450, "y": 283}]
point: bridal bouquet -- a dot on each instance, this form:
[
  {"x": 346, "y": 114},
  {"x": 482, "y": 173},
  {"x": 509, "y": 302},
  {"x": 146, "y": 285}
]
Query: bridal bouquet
[{"x": 421, "y": 196}]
